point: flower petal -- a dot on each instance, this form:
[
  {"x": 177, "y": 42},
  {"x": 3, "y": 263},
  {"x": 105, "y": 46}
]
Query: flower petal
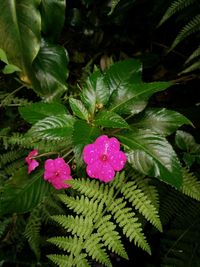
[
  {"x": 62, "y": 166},
  {"x": 90, "y": 154},
  {"x": 33, "y": 153},
  {"x": 117, "y": 160},
  {"x": 114, "y": 144},
  {"x": 49, "y": 165},
  {"x": 94, "y": 169},
  {"x": 106, "y": 173},
  {"x": 32, "y": 165}
]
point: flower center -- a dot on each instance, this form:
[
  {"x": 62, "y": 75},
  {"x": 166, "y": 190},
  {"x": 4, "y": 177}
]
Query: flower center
[
  {"x": 104, "y": 157},
  {"x": 57, "y": 173}
]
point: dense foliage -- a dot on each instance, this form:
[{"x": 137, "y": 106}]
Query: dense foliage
[{"x": 74, "y": 71}]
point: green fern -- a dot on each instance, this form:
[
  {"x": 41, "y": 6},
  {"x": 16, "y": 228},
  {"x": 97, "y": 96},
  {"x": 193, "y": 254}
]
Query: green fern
[
  {"x": 190, "y": 28},
  {"x": 100, "y": 211},
  {"x": 175, "y": 7},
  {"x": 191, "y": 185},
  {"x": 195, "y": 54}
]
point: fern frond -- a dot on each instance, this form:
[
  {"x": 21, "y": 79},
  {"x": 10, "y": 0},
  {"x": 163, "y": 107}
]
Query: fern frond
[
  {"x": 32, "y": 230},
  {"x": 195, "y": 54},
  {"x": 190, "y": 28},
  {"x": 193, "y": 67},
  {"x": 76, "y": 225},
  {"x": 3, "y": 225},
  {"x": 60, "y": 260},
  {"x": 69, "y": 244},
  {"x": 10, "y": 156},
  {"x": 82, "y": 205},
  {"x": 191, "y": 185},
  {"x": 126, "y": 219},
  {"x": 175, "y": 7},
  {"x": 142, "y": 203},
  {"x": 93, "y": 247}
]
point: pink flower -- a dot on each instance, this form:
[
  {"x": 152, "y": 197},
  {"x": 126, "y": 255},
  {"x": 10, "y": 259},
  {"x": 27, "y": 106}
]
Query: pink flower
[
  {"x": 103, "y": 158},
  {"x": 57, "y": 172},
  {"x": 32, "y": 163}
]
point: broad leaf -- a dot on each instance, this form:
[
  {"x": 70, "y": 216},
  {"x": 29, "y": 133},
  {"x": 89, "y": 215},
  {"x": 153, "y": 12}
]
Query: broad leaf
[
  {"x": 185, "y": 141},
  {"x": 129, "y": 94},
  {"x": 96, "y": 92},
  {"x": 162, "y": 121},
  {"x": 23, "y": 192},
  {"x": 79, "y": 109},
  {"x": 51, "y": 71},
  {"x": 53, "y": 127},
  {"x": 110, "y": 119},
  {"x": 9, "y": 68},
  {"x": 52, "y": 11},
  {"x": 132, "y": 98},
  {"x": 152, "y": 155},
  {"x": 20, "y": 25},
  {"x": 38, "y": 111}
]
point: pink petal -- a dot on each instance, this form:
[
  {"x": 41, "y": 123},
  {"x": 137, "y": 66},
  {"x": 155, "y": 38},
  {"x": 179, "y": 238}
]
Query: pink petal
[
  {"x": 106, "y": 173},
  {"x": 62, "y": 166},
  {"x": 114, "y": 144},
  {"x": 33, "y": 153},
  {"x": 49, "y": 165},
  {"x": 101, "y": 140},
  {"x": 49, "y": 176},
  {"x": 32, "y": 165},
  {"x": 94, "y": 169},
  {"x": 117, "y": 160},
  {"x": 90, "y": 154}
]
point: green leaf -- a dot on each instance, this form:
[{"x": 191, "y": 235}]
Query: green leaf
[
  {"x": 51, "y": 71},
  {"x": 23, "y": 192},
  {"x": 162, "y": 121},
  {"x": 110, "y": 119},
  {"x": 37, "y": 111},
  {"x": 20, "y": 25},
  {"x": 52, "y": 11},
  {"x": 185, "y": 141},
  {"x": 152, "y": 155},
  {"x": 96, "y": 92},
  {"x": 79, "y": 109},
  {"x": 9, "y": 68},
  {"x": 129, "y": 93},
  {"x": 53, "y": 127}
]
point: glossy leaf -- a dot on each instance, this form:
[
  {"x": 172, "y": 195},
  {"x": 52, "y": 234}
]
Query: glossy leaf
[
  {"x": 110, "y": 119},
  {"x": 96, "y": 92},
  {"x": 51, "y": 71},
  {"x": 9, "y": 68},
  {"x": 162, "y": 121},
  {"x": 79, "y": 109},
  {"x": 129, "y": 93},
  {"x": 53, "y": 127},
  {"x": 20, "y": 25},
  {"x": 23, "y": 192},
  {"x": 38, "y": 111},
  {"x": 52, "y": 11},
  {"x": 152, "y": 155}
]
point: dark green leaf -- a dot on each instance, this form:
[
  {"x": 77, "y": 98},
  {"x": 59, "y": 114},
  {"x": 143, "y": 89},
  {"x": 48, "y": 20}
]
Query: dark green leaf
[
  {"x": 132, "y": 98},
  {"x": 110, "y": 119},
  {"x": 129, "y": 93},
  {"x": 162, "y": 121},
  {"x": 79, "y": 109},
  {"x": 53, "y": 16},
  {"x": 95, "y": 92},
  {"x": 20, "y": 25},
  {"x": 53, "y": 127},
  {"x": 51, "y": 71},
  {"x": 152, "y": 155},
  {"x": 38, "y": 111},
  {"x": 23, "y": 192}
]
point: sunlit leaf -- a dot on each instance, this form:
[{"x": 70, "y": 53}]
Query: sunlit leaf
[
  {"x": 78, "y": 109},
  {"x": 110, "y": 119}
]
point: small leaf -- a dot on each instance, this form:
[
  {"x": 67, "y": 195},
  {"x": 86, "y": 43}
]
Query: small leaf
[
  {"x": 152, "y": 155},
  {"x": 38, "y": 111},
  {"x": 79, "y": 109},
  {"x": 53, "y": 127},
  {"x": 95, "y": 92},
  {"x": 110, "y": 119},
  {"x": 23, "y": 192},
  {"x": 162, "y": 121}
]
